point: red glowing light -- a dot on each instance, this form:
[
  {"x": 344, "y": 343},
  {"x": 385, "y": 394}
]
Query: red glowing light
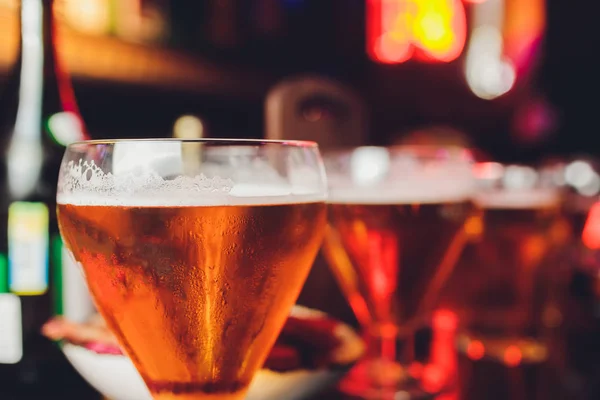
[
  {"x": 445, "y": 320},
  {"x": 434, "y": 378},
  {"x": 591, "y": 231},
  {"x": 433, "y": 29},
  {"x": 475, "y": 350},
  {"x": 442, "y": 368},
  {"x": 382, "y": 269},
  {"x": 415, "y": 369},
  {"x": 512, "y": 356}
]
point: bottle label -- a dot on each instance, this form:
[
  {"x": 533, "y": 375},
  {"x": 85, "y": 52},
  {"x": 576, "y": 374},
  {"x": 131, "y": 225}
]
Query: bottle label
[
  {"x": 28, "y": 227},
  {"x": 11, "y": 336},
  {"x": 73, "y": 300}
]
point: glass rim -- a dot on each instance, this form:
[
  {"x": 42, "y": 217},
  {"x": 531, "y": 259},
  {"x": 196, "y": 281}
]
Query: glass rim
[
  {"x": 224, "y": 142},
  {"x": 536, "y": 166},
  {"x": 425, "y": 150}
]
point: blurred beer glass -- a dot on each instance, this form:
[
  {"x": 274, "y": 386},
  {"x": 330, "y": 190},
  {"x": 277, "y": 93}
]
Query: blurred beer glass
[
  {"x": 399, "y": 218},
  {"x": 504, "y": 287},
  {"x": 580, "y": 178}
]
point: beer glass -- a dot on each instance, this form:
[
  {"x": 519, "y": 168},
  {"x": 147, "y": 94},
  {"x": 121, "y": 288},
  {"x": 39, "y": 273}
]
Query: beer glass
[
  {"x": 505, "y": 284},
  {"x": 579, "y": 177},
  {"x": 580, "y": 272},
  {"x": 193, "y": 250},
  {"x": 399, "y": 218}
]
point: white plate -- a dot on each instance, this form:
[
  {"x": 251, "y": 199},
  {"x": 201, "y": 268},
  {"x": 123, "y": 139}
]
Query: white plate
[{"x": 115, "y": 376}]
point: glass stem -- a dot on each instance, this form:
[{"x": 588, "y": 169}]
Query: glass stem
[{"x": 388, "y": 357}]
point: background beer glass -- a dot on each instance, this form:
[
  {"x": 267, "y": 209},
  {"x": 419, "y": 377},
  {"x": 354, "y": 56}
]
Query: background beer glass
[
  {"x": 505, "y": 284},
  {"x": 194, "y": 250},
  {"x": 398, "y": 220},
  {"x": 580, "y": 178}
]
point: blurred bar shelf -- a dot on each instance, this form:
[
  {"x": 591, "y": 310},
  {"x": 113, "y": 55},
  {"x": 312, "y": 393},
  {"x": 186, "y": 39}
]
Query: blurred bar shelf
[{"x": 112, "y": 60}]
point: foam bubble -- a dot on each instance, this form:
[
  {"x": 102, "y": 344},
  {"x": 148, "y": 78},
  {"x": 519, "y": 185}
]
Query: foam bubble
[
  {"x": 518, "y": 199},
  {"x": 84, "y": 183}
]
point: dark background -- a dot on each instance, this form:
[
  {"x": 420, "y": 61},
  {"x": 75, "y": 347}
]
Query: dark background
[{"x": 327, "y": 37}]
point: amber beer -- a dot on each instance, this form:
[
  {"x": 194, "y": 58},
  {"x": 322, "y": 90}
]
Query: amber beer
[
  {"x": 391, "y": 256},
  {"x": 504, "y": 281},
  {"x": 210, "y": 286}
]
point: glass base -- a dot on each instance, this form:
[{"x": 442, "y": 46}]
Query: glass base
[
  {"x": 199, "y": 396},
  {"x": 384, "y": 380}
]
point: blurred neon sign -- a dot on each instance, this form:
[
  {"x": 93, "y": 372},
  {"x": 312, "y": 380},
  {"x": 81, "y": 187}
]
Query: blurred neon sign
[{"x": 430, "y": 30}]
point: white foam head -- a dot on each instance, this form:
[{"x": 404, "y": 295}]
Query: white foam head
[
  {"x": 405, "y": 192},
  {"x": 518, "y": 199},
  {"x": 373, "y": 176},
  {"x": 84, "y": 183}
]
